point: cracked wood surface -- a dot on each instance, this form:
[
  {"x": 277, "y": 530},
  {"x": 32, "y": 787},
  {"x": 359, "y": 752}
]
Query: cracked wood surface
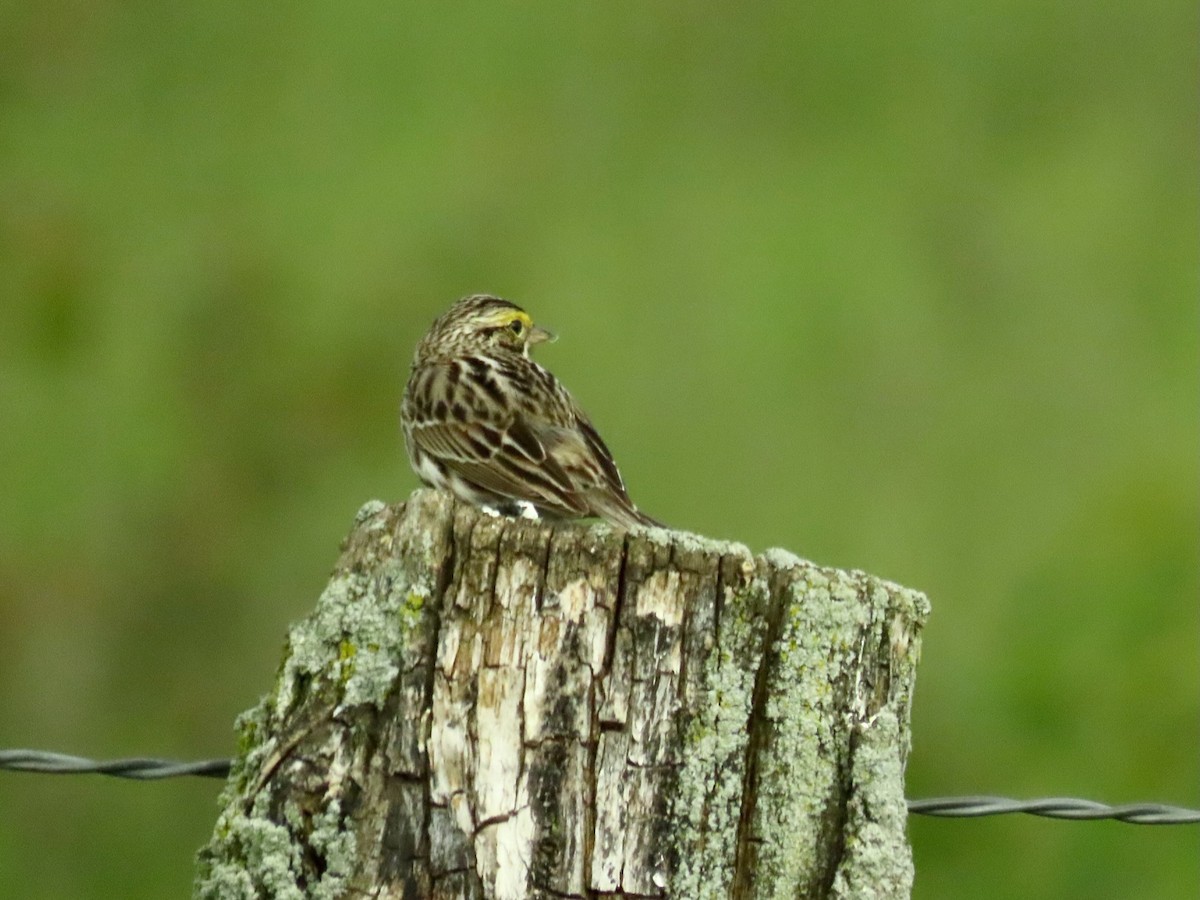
[{"x": 483, "y": 707}]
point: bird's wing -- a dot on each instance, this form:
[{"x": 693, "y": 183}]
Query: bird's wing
[
  {"x": 501, "y": 457},
  {"x": 573, "y": 442},
  {"x": 574, "y": 455},
  {"x": 602, "y": 454}
]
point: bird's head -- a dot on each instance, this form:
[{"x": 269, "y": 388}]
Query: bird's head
[{"x": 481, "y": 323}]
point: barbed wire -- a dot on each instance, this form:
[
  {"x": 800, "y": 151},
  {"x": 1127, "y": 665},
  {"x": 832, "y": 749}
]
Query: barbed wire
[
  {"x": 1055, "y": 808},
  {"x": 138, "y": 768},
  {"x": 148, "y": 769}
]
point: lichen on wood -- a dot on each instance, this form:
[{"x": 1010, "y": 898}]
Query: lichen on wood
[{"x": 489, "y": 707}]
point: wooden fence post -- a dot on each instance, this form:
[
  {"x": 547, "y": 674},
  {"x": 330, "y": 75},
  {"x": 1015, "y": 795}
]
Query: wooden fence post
[{"x": 495, "y": 708}]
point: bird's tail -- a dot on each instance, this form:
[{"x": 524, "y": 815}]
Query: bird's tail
[
  {"x": 625, "y": 515},
  {"x": 644, "y": 519}
]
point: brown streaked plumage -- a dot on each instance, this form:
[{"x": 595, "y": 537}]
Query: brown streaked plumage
[{"x": 487, "y": 423}]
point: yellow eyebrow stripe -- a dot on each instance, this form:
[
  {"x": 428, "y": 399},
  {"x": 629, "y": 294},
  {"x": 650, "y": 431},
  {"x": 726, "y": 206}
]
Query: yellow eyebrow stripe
[{"x": 505, "y": 317}]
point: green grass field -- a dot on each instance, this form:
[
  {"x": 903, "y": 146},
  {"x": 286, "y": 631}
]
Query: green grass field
[{"x": 912, "y": 291}]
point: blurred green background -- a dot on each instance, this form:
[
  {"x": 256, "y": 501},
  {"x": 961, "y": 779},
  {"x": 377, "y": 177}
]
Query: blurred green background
[{"x": 912, "y": 290}]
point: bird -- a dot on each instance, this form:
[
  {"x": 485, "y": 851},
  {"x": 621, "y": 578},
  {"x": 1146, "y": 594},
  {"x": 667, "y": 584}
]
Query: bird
[{"x": 484, "y": 421}]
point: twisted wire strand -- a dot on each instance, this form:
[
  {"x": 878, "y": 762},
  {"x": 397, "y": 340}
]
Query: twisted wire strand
[
  {"x": 139, "y": 768},
  {"x": 147, "y": 769},
  {"x": 1055, "y": 808}
]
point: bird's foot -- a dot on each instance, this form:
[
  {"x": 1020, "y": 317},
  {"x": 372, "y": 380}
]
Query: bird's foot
[
  {"x": 527, "y": 510},
  {"x": 516, "y": 509}
]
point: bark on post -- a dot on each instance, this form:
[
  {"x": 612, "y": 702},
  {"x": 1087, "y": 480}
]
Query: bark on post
[{"x": 484, "y": 707}]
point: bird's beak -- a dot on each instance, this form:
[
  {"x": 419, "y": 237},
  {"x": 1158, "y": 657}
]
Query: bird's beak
[{"x": 538, "y": 335}]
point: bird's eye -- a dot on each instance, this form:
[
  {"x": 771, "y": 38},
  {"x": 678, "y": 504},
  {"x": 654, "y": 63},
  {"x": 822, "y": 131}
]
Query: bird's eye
[{"x": 517, "y": 326}]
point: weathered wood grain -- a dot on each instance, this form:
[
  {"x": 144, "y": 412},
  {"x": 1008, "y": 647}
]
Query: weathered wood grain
[{"x": 483, "y": 707}]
